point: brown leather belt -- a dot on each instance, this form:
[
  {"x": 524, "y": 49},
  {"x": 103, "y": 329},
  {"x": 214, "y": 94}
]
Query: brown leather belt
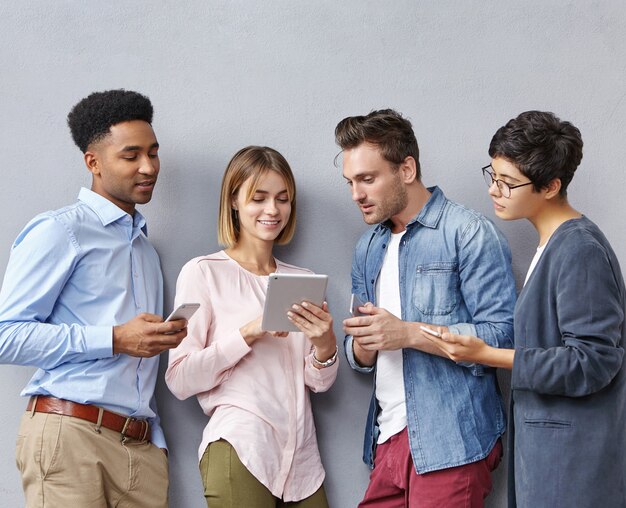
[{"x": 126, "y": 426}]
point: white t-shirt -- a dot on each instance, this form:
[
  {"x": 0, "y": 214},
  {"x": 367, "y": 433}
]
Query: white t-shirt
[
  {"x": 534, "y": 262},
  {"x": 389, "y": 373}
]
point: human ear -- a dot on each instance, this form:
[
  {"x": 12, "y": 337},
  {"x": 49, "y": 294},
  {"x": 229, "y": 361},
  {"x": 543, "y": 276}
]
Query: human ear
[
  {"x": 233, "y": 199},
  {"x": 553, "y": 188},
  {"x": 92, "y": 162},
  {"x": 409, "y": 169}
]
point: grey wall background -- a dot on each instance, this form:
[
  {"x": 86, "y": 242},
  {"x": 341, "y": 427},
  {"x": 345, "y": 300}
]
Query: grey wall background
[{"x": 225, "y": 74}]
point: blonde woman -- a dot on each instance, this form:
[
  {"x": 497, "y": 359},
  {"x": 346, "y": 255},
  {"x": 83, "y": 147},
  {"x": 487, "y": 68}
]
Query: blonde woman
[{"x": 259, "y": 447}]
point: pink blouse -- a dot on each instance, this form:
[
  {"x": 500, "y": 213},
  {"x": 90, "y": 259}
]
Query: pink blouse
[{"x": 257, "y": 397}]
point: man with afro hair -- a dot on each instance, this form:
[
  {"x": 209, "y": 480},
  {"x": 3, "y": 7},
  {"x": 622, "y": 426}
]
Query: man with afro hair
[{"x": 81, "y": 301}]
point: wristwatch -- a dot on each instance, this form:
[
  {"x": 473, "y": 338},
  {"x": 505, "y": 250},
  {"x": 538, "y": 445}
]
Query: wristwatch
[{"x": 327, "y": 363}]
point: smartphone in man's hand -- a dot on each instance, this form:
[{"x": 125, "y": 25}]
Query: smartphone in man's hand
[{"x": 355, "y": 303}]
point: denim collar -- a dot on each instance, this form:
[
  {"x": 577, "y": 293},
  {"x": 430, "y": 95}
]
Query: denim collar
[{"x": 429, "y": 216}]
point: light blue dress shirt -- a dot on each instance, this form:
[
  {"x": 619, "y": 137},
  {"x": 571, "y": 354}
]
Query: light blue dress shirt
[{"x": 73, "y": 274}]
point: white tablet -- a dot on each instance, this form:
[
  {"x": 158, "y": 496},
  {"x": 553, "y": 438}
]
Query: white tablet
[{"x": 285, "y": 289}]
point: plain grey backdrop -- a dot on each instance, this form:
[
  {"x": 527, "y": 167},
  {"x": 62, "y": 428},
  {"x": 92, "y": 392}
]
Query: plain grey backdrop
[{"x": 225, "y": 74}]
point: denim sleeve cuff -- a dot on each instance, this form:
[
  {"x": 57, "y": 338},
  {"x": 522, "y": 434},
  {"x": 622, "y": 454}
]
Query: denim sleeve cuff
[
  {"x": 99, "y": 340},
  {"x": 463, "y": 329},
  {"x": 467, "y": 329},
  {"x": 352, "y": 361}
]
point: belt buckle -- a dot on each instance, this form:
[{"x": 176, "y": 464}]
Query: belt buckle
[{"x": 144, "y": 423}]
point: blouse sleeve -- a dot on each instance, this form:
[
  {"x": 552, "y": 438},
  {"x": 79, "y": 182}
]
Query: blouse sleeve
[
  {"x": 319, "y": 380},
  {"x": 198, "y": 365}
]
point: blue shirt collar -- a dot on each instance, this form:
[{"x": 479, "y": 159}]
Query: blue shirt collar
[
  {"x": 107, "y": 211},
  {"x": 430, "y": 215}
]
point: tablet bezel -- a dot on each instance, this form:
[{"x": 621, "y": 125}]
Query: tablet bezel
[{"x": 285, "y": 289}]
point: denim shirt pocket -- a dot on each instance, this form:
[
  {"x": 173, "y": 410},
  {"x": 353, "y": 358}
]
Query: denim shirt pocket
[{"x": 436, "y": 288}]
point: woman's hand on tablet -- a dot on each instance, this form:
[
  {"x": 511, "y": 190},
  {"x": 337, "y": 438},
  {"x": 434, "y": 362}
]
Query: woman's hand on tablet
[{"x": 317, "y": 324}]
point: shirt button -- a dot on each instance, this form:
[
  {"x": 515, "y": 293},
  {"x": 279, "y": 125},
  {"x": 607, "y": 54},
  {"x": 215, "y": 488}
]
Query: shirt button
[
  {"x": 372, "y": 281},
  {"x": 384, "y": 245}
]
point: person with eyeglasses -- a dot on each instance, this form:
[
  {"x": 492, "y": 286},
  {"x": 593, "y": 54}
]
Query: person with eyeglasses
[
  {"x": 504, "y": 187},
  {"x": 567, "y": 441}
]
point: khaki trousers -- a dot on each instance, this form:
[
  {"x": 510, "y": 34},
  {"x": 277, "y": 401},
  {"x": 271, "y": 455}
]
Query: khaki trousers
[
  {"x": 66, "y": 463},
  {"x": 228, "y": 484}
]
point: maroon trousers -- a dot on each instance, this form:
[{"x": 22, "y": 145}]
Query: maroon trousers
[{"x": 395, "y": 484}]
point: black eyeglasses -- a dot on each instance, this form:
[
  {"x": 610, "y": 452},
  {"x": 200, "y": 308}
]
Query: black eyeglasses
[{"x": 503, "y": 187}]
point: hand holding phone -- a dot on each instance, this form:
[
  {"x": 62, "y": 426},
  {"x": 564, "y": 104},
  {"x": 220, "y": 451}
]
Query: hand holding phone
[
  {"x": 183, "y": 311},
  {"x": 430, "y": 331},
  {"x": 355, "y": 303}
]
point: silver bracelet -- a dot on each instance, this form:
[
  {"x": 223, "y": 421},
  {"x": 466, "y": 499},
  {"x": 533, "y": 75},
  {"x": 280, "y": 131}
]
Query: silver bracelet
[{"x": 327, "y": 363}]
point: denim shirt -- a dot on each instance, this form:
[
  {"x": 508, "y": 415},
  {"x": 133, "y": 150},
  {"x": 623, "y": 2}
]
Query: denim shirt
[{"x": 455, "y": 271}]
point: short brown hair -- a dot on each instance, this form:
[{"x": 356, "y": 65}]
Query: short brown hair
[
  {"x": 252, "y": 162},
  {"x": 386, "y": 129}
]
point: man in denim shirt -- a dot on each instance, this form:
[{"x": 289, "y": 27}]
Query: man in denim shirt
[{"x": 434, "y": 426}]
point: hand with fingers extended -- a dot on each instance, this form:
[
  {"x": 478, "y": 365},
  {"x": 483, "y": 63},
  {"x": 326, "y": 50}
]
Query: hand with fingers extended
[
  {"x": 252, "y": 331},
  {"x": 148, "y": 335},
  {"x": 317, "y": 324},
  {"x": 470, "y": 349},
  {"x": 459, "y": 348}
]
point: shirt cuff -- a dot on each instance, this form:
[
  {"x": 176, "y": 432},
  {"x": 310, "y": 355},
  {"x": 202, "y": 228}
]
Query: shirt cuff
[
  {"x": 99, "y": 341},
  {"x": 463, "y": 329},
  {"x": 352, "y": 361},
  {"x": 467, "y": 329},
  {"x": 321, "y": 379},
  {"x": 324, "y": 372}
]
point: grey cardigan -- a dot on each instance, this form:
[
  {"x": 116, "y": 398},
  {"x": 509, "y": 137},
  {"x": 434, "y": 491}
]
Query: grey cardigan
[{"x": 567, "y": 443}]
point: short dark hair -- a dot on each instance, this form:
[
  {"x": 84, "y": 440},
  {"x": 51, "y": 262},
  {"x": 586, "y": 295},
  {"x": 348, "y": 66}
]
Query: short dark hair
[
  {"x": 91, "y": 119},
  {"x": 541, "y": 146},
  {"x": 386, "y": 129}
]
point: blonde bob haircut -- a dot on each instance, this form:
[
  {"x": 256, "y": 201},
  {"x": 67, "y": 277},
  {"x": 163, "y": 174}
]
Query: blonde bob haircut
[{"x": 252, "y": 162}]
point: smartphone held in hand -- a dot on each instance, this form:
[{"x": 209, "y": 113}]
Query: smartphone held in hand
[
  {"x": 183, "y": 311},
  {"x": 355, "y": 303},
  {"x": 430, "y": 331}
]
